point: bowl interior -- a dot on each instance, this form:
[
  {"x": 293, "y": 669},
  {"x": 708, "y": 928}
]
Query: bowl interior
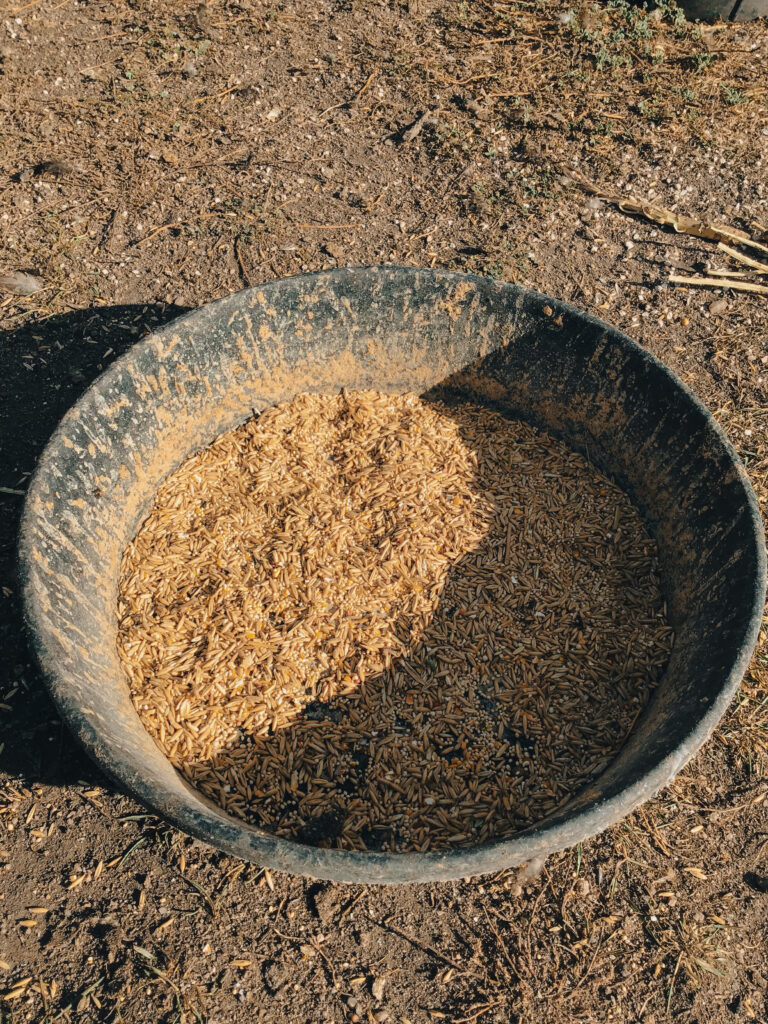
[{"x": 394, "y": 329}]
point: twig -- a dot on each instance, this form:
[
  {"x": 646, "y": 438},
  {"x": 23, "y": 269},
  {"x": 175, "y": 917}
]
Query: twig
[
  {"x": 507, "y": 95},
  {"x": 755, "y": 264},
  {"x": 506, "y": 39},
  {"x": 672, "y": 983},
  {"x": 139, "y": 842},
  {"x": 472, "y": 78},
  {"x": 326, "y": 227},
  {"x": 502, "y": 945},
  {"x": 180, "y": 224},
  {"x": 215, "y": 95},
  {"x": 722, "y": 282},
  {"x": 163, "y": 227},
  {"x": 350, "y": 905},
  {"x": 336, "y": 106},
  {"x": 654, "y": 832},
  {"x": 480, "y": 1012},
  {"x": 239, "y": 258},
  {"x": 723, "y": 273},
  {"x": 367, "y": 82},
  {"x": 588, "y": 970},
  {"x": 198, "y": 888},
  {"x": 316, "y": 945},
  {"x": 387, "y": 926}
]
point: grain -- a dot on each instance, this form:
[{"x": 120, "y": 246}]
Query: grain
[{"x": 377, "y": 622}]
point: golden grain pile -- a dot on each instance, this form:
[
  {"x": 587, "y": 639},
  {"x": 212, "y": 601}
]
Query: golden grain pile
[{"x": 374, "y": 622}]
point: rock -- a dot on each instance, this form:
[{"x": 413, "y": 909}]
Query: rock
[
  {"x": 582, "y": 886},
  {"x": 377, "y": 988}
]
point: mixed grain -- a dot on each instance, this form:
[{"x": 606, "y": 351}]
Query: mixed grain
[{"x": 376, "y": 622}]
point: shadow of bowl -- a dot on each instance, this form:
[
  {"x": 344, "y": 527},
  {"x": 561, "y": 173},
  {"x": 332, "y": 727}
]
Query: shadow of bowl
[{"x": 393, "y": 329}]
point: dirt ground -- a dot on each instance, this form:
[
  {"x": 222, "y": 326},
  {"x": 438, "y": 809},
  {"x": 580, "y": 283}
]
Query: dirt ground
[{"x": 155, "y": 156}]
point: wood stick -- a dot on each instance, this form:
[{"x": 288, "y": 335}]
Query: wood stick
[
  {"x": 723, "y": 282},
  {"x": 728, "y": 273},
  {"x": 736, "y": 237},
  {"x": 755, "y": 264}
]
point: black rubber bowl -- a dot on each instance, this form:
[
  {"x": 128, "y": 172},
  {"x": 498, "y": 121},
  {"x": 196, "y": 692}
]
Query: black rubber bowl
[{"x": 395, "y": 329}]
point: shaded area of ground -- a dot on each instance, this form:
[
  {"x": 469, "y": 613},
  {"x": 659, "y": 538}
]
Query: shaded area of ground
[{"x": 159, "y": 155}]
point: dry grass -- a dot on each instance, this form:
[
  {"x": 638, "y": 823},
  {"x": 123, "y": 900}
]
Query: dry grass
[{"x": 378, "y": 622}]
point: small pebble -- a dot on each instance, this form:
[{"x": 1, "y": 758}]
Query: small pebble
[{"x": 377, "y": 988}]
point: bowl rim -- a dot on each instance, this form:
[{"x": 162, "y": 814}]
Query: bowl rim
[{"x": 247, "y": 841}]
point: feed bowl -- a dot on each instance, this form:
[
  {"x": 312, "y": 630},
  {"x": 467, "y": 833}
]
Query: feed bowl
[{"x": 393, "y": 329}]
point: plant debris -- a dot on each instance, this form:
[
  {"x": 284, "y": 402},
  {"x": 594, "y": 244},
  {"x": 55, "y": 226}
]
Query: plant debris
[{"x": 719, "y": 282}]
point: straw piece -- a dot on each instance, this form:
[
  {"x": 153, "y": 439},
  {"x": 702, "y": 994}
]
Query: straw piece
[{"x": 720, "y": 282}]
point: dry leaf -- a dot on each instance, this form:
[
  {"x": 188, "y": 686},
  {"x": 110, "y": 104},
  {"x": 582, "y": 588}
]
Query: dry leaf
[{"x": 696, "y": 872}]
